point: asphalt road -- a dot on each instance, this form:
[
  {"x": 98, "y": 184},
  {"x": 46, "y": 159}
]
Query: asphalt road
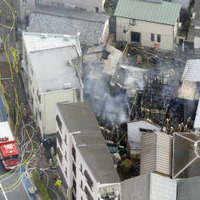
[{"x": 16, "y": 193}]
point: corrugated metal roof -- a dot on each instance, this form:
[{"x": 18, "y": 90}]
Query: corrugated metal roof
[
  {"x": 156, "y": 153},
  {"x": 164, "y": 13},
  {"x": 197, "y": 118},
  {"x": 192, "y": 71}
]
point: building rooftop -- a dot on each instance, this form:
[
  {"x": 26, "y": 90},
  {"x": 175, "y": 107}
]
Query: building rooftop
[
  {"x": 107, "y": 56},
  {"x": 188, "y": 188},
  {"x": 192, "y": 71},
  {"x": 186, "y": 153},
  {"x": 135, "y": 131},
  {"x": 88, "y": 139},
  {"x": 149, "y": 186},
  {"x": 164, "y": 12},
  {"x": 79, "y": 117},
  {"x": 65, "y": 21},
  {"x": 99, "y": 161},
  {"x": 51, "y": 59}
]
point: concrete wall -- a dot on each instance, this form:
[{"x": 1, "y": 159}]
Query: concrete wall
[
  {"x": 196, "y": 42},
  {"x": 86, "y": 4},
  {"x": 49, "y": 101},
  {"x": 168, "y": 33}
]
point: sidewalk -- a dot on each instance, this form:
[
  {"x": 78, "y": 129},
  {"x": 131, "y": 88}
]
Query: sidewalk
[{"x": 27, "y": 183}]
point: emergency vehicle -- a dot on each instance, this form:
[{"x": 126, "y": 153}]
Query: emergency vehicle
[{"x": 8, "y": 149}]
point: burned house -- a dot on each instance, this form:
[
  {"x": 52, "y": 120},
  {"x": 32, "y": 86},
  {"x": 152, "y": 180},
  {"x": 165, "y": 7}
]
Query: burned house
[{"x": 99, "y": 66}]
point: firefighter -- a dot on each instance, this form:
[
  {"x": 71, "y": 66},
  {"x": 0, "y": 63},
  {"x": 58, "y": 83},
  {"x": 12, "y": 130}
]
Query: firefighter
[
  {"x": 179, "y": 129},
  {"x": 171, "y": 130},
  {"x": 58, "y": 184},
  {"x": 42, "y": 149}
]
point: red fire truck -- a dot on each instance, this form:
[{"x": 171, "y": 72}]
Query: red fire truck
[{"x": 8, "y": 149}]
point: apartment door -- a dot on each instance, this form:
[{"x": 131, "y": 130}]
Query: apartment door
[{"x": 135, "y": 37}]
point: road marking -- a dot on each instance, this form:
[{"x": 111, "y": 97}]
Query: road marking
[{"x": 4, "y": 194}]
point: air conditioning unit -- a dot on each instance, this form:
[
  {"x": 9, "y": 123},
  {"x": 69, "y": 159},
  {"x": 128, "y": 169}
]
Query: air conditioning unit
[
  {"x": 44, "y": 36},
  {"x": 67, "y": 86},
  {"x": 179, "y": 25}
]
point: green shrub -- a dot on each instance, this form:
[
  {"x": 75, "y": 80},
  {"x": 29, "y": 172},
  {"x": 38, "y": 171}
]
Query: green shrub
[{"x": 42, "y": 190}]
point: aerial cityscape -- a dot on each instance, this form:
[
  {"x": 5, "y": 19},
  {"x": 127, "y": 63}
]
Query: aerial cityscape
[{"x": 99, "y": 99}]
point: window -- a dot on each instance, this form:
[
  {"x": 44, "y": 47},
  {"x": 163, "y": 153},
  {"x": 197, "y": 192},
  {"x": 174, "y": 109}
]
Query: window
[
  {"x": 96, "y": 10},
  {"x": 158, "y": 38},
  {"x": 152, "y": 37},
  {"x": 59, "y": 154},
  {"x": 81, "y": 168},
  {"x": 40, "y": 114},
  {"x": 66, "y": 155},
  {"x": 54, "y": 4},
  {"x": 81, "y": 184},
  {"x": 66, "y": 172},
  {"x": 89, "y": 180},
  {"x": 74, "y": 190},
  {"x": 39, "y": 96},
  {"x": 66, "y": 139},
  {"x": 87, "y": 192},
  {"x": 59, "y": 139},
  {"x": 74, "y": 169},
  {"x": 124, "y": 31},
  {"x": 132, "y": 22},
  {"x": 73, "y": 152},
  {"x": 59, "y": 122},
  {"x": 38, "y": 2}
]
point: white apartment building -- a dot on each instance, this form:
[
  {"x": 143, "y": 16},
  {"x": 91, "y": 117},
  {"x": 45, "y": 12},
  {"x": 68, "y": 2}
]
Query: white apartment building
[
  {"x": 83, "y": 157},
  {"x": 50, "y": 76}
]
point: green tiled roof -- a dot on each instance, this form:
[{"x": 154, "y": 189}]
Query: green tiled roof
[{"x": 164, "y": 13}]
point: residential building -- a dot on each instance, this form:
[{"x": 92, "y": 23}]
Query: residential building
[
  {"x": 135, "y": 130},
  {"x": 186, "y": 160},
  {"x": 149, "y": 186},
  {"x": 190, "y": 80},
  {"x": 84, "y": 160},
  {"x": 89, "y": 5},
  {"x": 193, "y": 36},
  {"x": 197, "y": 119},
  {"x": 51, "y": 73},
  {"x": 197, "y": 31},
  {"x": 188, "y": 188},
  {"x": 92, "y": 28},
  {"x": 156, "y": 153},
  {"x": 148, "y": 23}
]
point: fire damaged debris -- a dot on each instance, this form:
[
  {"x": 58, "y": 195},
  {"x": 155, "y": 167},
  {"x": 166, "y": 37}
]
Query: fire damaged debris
[{"x": 181, "y": 114}]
